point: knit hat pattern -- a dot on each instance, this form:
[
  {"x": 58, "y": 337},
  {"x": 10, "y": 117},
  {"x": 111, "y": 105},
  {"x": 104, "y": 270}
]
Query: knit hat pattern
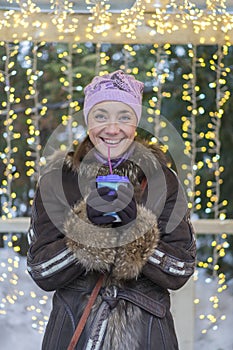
[{"x": 116, "y": 86}]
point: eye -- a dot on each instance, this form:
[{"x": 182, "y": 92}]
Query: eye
[
  {"x": 100, "y": 117},
  {"x": 124, "y": 118}
]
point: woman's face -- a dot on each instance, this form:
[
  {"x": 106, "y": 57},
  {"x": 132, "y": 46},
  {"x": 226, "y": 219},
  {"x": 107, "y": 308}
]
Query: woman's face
[{"x": 112, "y": 125}]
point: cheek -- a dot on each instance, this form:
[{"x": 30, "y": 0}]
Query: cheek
[
  {"x": 92, "y": 137},
  {"x": 93, "y": 132},
  {"x": 130, "y": 132}
]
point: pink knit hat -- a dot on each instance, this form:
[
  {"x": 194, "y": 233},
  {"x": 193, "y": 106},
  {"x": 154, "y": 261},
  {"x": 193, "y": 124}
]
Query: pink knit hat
[{"x": 116, "y": 86}]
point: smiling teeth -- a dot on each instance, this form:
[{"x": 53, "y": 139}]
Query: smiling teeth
[{"x": 112, "y": 142}]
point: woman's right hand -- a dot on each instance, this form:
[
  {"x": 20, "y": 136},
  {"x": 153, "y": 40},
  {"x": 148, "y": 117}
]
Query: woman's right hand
[{"x": 98, "y": 204}]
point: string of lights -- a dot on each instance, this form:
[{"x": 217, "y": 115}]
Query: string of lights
[
  {"x": 214, "y": 205},
  {"x": 159, "y": 73},
  {"x": 33, "y": 114},
  {"x": 9, "y": 135},
  {"x": 130, "y": 20},
  {"x": 99, "y": 19},
  {"x": 190, "y": 94}
]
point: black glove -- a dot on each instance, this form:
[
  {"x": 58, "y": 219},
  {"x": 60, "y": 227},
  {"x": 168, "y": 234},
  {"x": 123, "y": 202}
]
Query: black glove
[
  {"x": 126, "y": 203},
  {"x": 98, "y": 204}
]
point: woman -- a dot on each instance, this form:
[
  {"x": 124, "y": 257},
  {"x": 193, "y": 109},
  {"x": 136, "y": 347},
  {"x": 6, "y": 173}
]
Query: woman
[{"x": 76, "y": 238}]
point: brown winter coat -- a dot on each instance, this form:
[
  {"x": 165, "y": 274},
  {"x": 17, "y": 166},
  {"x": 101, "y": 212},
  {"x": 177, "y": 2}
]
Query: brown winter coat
[{"x": 140, "y": 264}]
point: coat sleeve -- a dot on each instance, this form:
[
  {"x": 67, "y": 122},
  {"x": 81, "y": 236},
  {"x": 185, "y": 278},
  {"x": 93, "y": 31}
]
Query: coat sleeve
[
  {"x": 173, "y": 261},
  {"x": 50, "y": 262}
]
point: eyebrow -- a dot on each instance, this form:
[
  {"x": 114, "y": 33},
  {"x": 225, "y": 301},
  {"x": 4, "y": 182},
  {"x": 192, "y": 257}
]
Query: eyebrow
[
  {"x": 125, "y": 111},
  {"x": 100, "y": 109}
]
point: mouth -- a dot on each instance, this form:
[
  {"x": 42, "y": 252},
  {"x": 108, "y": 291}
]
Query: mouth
[{"x": 111, "y": 142}]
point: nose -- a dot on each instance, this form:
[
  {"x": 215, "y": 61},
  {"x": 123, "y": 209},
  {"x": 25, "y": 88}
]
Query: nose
[{"x": 112, "y": 128}]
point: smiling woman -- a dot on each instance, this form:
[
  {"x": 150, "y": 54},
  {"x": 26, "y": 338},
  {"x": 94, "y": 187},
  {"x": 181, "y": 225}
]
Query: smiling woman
[
  {"x": 112, "y": 111},
  {"x": 112, "y": 125},
  {"x": 128, "y": 230}
]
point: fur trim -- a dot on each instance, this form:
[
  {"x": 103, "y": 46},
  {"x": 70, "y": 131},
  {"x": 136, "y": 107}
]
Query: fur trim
[
  {"x": 104, "y": 248},
  {"x": 124, "y": 325},
  {"x": 124, "y": 329}
]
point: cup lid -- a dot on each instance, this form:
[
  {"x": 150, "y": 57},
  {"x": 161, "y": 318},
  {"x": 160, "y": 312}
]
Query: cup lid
[{"x": 112, "y": 178}]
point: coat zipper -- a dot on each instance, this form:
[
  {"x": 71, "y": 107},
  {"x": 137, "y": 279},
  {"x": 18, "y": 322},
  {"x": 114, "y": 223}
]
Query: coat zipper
[
  {"x": 162, "y": 333},
  {"x": 148, "y": 345},
  {"x": 68, "y": 310}
]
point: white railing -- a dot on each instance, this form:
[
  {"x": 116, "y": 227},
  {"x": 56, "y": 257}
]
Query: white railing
[
  {"x": 182, "y": 300},
  {"x": 205, "y": 226},
  {"x": 14, "y": 225}
]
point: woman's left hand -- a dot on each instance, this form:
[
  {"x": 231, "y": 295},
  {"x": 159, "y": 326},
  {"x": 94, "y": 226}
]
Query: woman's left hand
[{"x": 126, "y": 202}]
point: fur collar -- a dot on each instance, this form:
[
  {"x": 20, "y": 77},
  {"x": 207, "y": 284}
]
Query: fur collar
[{"x": 103, "y": 248}]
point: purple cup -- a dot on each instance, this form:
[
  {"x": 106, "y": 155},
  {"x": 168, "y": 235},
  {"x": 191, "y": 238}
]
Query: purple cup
[{"x": 112, "y": 181}]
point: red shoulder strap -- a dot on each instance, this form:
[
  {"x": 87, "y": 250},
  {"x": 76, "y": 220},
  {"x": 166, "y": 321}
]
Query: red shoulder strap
[
  {"x": 86, "y": 313},
  {"x": 143, "y": 184}
]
